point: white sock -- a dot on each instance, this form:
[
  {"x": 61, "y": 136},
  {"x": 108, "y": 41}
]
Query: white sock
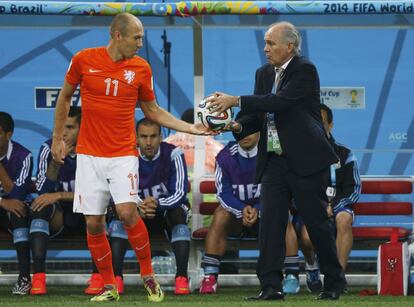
[{"x": 311, "y": 267}]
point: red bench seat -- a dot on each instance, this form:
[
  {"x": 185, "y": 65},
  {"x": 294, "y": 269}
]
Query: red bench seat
[{"x": 380, "y": 233}]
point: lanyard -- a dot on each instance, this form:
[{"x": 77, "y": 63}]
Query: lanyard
[{"x": 331, "y": 190}]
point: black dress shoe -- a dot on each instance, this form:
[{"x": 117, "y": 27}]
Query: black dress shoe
[
  {"x": 329, "y": 295},
  {"x": 268, "y": 294}
]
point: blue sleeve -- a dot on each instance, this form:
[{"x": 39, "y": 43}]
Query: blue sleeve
[
  {"x": 178, "y": 181},
  {"x": 23, "y": 179},
  {"x": 351, "y": 185},
  {"x": 43, "y": 184},
  {"x": 257, "y": 206},
  {"x": 225, "y": 193}
]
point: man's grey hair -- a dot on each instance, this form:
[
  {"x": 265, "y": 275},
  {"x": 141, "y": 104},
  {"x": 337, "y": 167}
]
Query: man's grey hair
[{"x": 290, "y": 35}]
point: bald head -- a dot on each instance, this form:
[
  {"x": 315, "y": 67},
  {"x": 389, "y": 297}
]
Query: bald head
[
  {"x": 122, "y": 23},
  {"x": 288, "y": 34},
  {"x": 127, "y": 33}
]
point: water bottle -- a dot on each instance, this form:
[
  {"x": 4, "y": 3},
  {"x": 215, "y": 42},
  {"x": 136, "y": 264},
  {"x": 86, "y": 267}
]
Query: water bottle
[
  {"x": 170, "y": 265},
  {"x": 163, "y": 265},
  {"x": 156, "y": 265},
  {"x": 173, "y": 265}
]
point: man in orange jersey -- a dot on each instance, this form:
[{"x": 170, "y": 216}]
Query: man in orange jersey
[{"x": 112, "y": 80}]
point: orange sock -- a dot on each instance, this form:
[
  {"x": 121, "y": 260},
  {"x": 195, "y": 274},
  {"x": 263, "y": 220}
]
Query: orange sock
[
  {"x": 139, "y": 240},
  {"x": 102, "y": 256}
]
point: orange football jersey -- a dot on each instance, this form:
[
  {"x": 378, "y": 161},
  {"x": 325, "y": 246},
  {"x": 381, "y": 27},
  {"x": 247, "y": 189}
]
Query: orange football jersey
[{"x": 109, "y": 92}]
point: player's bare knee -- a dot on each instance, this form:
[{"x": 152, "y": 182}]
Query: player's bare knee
[
  {"x": 95, "y": 224},
  {"x": 128, "y": 220},
  {"x": 218, "y": 227},
  {"x": 94, "y": 228},
  {"x": 221, "y": 217},
  {"x": 221, "y": 213},
  {"x": 343, "y": 222},
  {"x": 127, "y": 214}
]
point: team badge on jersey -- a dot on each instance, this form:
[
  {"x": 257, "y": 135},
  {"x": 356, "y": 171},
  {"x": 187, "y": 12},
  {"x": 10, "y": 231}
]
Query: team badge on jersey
[{"x": 129, "y": 76}]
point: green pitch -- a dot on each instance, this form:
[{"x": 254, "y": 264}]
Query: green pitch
[{"x": 233, "y": 296}]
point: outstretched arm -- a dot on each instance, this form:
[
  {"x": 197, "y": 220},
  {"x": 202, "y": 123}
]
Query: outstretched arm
[
  {"x": 157, "y": 114},
  {"x": 302, "y": 82}
]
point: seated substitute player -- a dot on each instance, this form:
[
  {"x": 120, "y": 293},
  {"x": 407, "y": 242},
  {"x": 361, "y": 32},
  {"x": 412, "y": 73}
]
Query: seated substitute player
[
  {"x": 346, "y": 184},
  {"x": 16, "y": 165},
  {"x": 163, "y": 186},
  {"x": 239, "y": 207},
  {"x": 52, "y": 211}
]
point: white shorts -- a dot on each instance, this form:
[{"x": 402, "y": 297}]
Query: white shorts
[{"x": 98, "y": 179}]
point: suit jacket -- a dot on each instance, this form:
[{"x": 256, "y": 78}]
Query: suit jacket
[{"x": 296, "y": 107}]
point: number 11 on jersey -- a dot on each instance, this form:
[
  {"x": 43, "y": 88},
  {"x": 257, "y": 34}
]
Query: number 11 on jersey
[{"x": 108, "y": 82}]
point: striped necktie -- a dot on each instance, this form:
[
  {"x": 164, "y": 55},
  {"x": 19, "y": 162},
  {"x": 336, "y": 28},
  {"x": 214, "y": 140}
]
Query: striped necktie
[{"x": 273, "y": 142}]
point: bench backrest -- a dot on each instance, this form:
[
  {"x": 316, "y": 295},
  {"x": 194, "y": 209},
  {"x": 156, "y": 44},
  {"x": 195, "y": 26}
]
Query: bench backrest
[{"x": 369, "y": 186}]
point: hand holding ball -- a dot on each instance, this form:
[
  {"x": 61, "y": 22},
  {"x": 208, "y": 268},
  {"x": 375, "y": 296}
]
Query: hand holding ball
[{"x": 214, "y": 121}]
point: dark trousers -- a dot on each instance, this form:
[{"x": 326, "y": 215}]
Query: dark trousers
[{"x": 279, "y": 186}]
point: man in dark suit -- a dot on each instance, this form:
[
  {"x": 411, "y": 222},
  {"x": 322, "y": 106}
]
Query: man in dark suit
[{"x": 294, "y": 158}]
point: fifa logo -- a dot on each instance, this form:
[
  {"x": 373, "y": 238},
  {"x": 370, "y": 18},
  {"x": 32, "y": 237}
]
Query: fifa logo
[
  {"x": 391, "y": 263},
  {"x": 129, "y": 76},
  {"x": 354, "y": 94}
]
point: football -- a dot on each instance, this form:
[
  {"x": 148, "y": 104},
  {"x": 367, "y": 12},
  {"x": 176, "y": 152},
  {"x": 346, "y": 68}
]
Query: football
[{"x": 214, "y": 121}]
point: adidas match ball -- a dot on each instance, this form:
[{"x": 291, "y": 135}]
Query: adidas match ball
[{"x": 214, "y": 121}]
